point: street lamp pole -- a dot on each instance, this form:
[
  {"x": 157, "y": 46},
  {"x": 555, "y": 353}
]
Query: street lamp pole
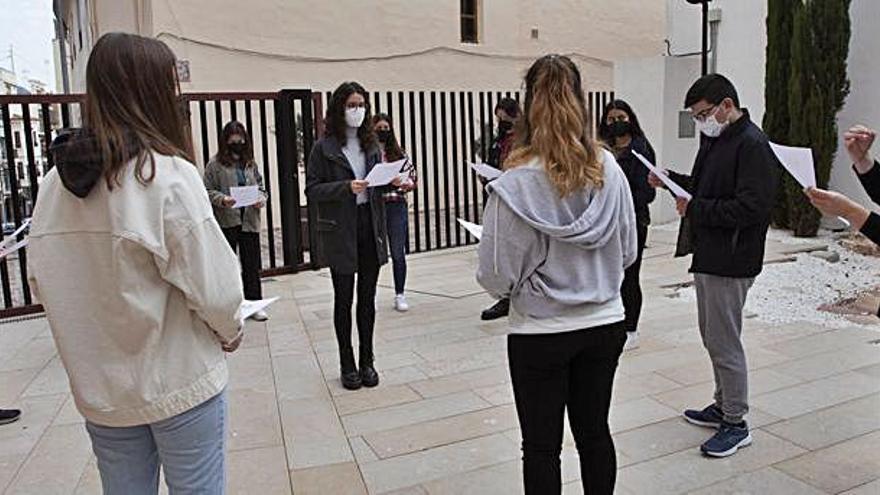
[{"x": 705, "y": 50}]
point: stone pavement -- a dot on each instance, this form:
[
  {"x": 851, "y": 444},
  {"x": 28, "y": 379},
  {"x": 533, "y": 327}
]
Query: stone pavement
[{"x": 442, "y": 421}]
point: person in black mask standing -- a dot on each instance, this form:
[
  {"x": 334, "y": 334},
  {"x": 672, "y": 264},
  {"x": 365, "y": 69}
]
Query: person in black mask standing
[
  {"x": 620, "y": 129},
  {"x": 507, "y": 112},
  {"x": 234, "y": 166},
  {"x": 396, "y": 209}
]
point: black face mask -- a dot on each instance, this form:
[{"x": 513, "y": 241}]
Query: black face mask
[
  {"x": 504, "y": 127},
  {"x": 238, "y": 148},
  {"x": 620, "y": 128},
  {"x": 384, "y": 136}
]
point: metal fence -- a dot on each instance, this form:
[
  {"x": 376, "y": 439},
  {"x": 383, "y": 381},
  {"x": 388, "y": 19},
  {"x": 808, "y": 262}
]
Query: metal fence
[{"x": 442, "y": 131}]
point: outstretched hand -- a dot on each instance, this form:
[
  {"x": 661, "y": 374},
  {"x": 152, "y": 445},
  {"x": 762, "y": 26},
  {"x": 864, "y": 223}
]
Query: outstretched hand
[
  {"x": 858, "y": 140},
  {"x": 837, "y": 205}
]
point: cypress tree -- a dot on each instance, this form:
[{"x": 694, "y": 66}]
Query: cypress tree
[
  {"x": 780, "y": 20},
  {"x": 817, "y": 88}
]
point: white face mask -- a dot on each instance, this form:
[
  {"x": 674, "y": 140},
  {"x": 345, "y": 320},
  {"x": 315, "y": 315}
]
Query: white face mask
[
  {"x": 354, "y": 117},
  {"x": 710, "y": 126}
]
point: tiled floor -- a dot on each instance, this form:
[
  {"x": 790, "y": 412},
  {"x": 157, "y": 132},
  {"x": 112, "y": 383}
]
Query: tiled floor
[{"x": 443, "y": 422}]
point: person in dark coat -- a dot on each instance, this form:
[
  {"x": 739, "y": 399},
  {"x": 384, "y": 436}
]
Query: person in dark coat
[
  {"x": 507, "y": 112},
  {"x": 858, "y": 142},
  {"x": 619, "y": 128},
  {"x": 351, "y": 224},
  {"x": 724, "y": 225}
]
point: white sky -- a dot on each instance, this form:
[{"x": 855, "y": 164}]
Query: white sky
[{"x": 27, "y": 25}]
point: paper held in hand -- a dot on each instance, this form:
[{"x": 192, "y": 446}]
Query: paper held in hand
[
  {"x": 383, "y": 173},
  {"x": 246, "y": 196},
  {"x": 798, "y": 162},
  {"x": 486, "y": 170},
  {"x": 677, "y": 190},
  {"x": 10, "y": 244},
  {"x": 472, "y": 228},
  {"x": 249, "y": 308}
]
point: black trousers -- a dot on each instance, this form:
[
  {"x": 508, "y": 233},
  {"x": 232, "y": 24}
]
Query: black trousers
[
  {"x": 573, "y": 370},
  {"x": 631, "y": 289},
  {"x": 248, "y": 246},
  {"x": 343, "y": 295}
]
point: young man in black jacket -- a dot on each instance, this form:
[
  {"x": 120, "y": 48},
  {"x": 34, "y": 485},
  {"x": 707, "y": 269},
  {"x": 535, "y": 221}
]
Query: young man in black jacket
[{"x": 724, "y": 226}]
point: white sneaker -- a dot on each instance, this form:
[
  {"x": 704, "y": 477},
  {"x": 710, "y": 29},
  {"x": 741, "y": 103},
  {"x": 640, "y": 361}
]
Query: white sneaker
[
  {"x": 260, "y": 316},
  {"x": 632, "y": 341},
  {"x": 400, "y": 303}
]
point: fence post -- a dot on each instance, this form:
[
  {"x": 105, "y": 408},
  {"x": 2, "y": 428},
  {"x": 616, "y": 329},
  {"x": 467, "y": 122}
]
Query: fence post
[{"x": 288, "y": 186}]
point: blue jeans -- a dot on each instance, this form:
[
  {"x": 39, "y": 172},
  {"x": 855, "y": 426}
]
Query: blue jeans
[
  {"x": 191, "y": 447},
  {"x": 397, "y": 216}
]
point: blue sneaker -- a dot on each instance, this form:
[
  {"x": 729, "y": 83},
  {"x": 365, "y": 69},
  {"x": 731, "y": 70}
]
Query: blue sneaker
[
  {"x": 728, "y": 440},
  {"x": 710, "y": 417}
]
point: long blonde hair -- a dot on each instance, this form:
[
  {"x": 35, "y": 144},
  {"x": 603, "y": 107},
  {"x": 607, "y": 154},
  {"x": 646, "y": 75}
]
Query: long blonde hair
[{"x": 555, "y": 127}]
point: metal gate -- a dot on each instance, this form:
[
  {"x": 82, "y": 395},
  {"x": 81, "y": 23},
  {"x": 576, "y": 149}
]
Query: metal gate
[{"x": 441, "y": 131}]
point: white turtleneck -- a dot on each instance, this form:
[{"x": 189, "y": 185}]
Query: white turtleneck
[{"x": 356, "y": 158}]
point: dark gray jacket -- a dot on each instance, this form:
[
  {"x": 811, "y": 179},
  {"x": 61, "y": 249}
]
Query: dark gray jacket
[{"x": 328, "y": 187}]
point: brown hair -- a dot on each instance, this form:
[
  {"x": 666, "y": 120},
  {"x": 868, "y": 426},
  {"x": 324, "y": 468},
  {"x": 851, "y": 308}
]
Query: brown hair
[
  {"x": 393, "y": 151},
  {"x": 334, "y": 121},
  {"x": 131, "y": 101},
  {"x": 555, "y": 127},
  {"x": 225, "y": 154}
]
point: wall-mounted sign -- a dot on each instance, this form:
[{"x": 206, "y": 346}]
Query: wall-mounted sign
[{"x": 183, "y": 74}]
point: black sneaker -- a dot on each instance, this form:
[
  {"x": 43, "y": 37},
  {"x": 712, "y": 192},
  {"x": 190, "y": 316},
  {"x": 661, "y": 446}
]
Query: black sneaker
[
  {"x": 9, "y": 416},
  {"x": 369, "y": 377},
  {"x": 351, "y": 380},
  {"x": 498, "y": 310},
  {"x": 728, "y": 440},
  {"x": 710, "y": 417}
]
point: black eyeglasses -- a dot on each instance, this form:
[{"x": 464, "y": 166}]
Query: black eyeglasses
[{"x": 704, "y": 114}]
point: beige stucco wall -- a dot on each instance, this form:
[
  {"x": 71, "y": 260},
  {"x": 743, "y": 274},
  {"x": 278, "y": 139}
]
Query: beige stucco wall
[{"x": 398, "y": 44}]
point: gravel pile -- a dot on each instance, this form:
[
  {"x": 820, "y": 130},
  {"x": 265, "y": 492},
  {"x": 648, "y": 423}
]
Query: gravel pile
[{"x": 794, "y": 291}]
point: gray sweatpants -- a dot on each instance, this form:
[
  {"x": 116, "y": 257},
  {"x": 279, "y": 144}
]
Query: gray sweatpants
[{"x": 720, "y": 302}]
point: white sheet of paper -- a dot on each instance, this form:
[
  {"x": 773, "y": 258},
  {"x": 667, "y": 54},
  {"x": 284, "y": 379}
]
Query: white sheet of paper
[
  {"x": 472, "y": 228},
  {"x": 798, "y": 162},
  {"x": 677, "y": 190},
  {"x": 7, "y": 250},
  {"x": 487, "y": 171},
  {"x": 246, "y": 195},
  {"x": 383, "y": 173},
  {"x": 248, "y": 308}
]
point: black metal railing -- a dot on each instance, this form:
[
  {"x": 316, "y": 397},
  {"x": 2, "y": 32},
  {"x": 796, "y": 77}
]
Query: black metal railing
[
  {"x": 280, "y": 125},
  {"x": 441, "y": 130}
]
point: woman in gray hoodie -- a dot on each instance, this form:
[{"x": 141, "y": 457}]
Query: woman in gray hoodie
[{"x": 558, "y": 232}]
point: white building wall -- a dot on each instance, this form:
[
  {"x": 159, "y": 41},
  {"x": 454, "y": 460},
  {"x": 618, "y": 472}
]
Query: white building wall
[
  {"x": 389, "y": 44},
  {"x": 741, "y": 56},
  {"x": 863, "y": 104}
]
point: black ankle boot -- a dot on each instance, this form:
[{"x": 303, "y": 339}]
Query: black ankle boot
[
  {"x": 498, "y": 310},
  {"x": 351, "y": 380},
  {"x": 349, "y": 375},
  {"x": 369, "y": 377}
]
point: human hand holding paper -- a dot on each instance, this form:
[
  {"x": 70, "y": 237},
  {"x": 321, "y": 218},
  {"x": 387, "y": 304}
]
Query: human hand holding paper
[
  {"x": 383, "y": 174},
  {"x": 677, "y": 190},
  {"x": 245, "y": 196}
]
